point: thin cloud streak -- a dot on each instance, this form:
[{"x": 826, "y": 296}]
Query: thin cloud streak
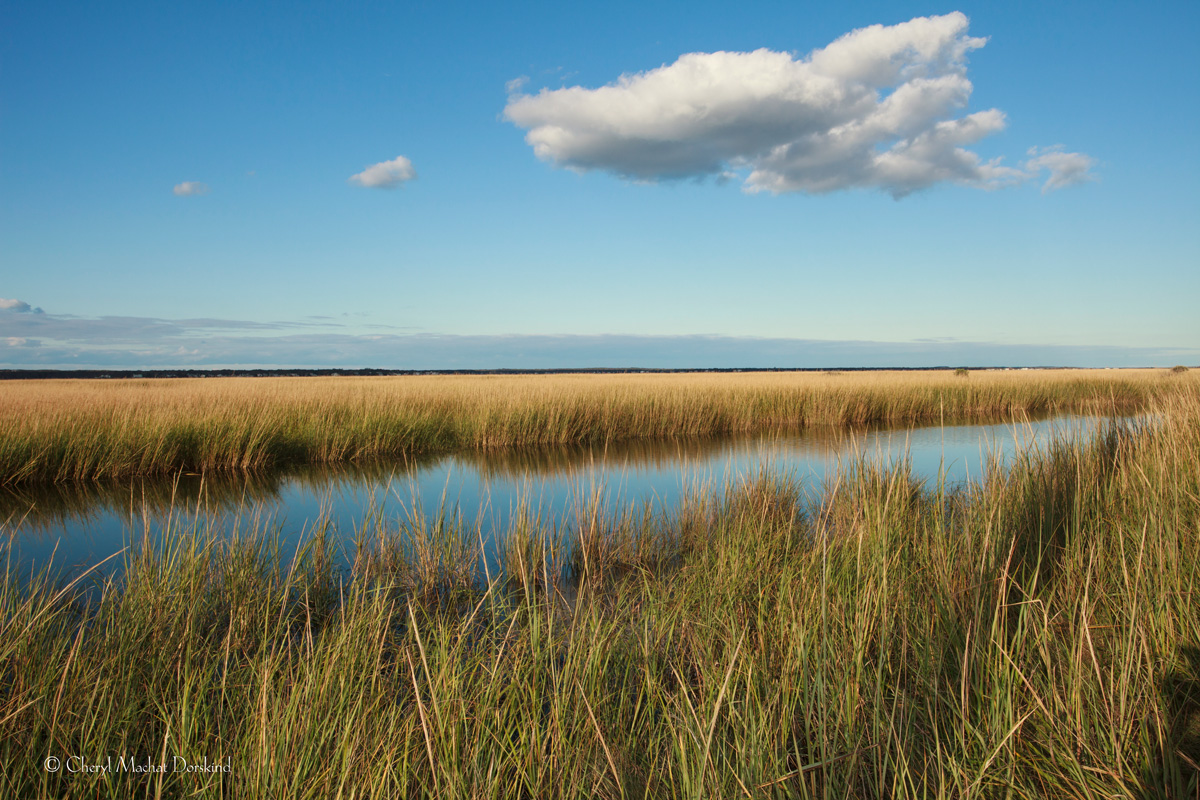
[
  {"x": 20, "y": 321},
  {"x": 30, "y": 337},
  {"x": 431, "y": 351}
]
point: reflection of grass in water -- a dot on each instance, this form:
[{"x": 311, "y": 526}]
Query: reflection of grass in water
[
  {"x": 48, "y": 508},
  {"x": 517, "y": 463},
  {"x": 79, "y": 430},
  {"x": 1034, "y": 634}
]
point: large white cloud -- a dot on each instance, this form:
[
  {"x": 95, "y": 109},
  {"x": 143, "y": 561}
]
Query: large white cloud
[
  {"x": 876, "y": 108},
  {"x": 386, "y": 174}
]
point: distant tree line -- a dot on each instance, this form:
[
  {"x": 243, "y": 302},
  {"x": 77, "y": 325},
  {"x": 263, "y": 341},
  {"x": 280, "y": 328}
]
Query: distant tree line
[{"x": 35, "y": 374}]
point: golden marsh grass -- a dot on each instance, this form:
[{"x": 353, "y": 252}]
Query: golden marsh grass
[
  {"x": 1033, "y": 636},
  {"x": 64, "y": 430}
]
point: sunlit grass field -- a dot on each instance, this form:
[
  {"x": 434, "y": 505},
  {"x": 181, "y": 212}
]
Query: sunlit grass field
[
  {"x": 79, "y": 430},
  {"x": 1034, "y": 635}
]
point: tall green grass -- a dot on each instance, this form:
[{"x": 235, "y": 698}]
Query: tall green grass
[
  {"x": 1035, "y": 635},
  {"x": 79, "y": 430}
]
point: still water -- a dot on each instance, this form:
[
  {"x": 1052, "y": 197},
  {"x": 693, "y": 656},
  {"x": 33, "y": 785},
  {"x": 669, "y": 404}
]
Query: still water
[{"x": 75, "y": 526}]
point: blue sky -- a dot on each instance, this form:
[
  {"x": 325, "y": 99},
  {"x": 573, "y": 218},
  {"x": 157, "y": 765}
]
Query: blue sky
[{"x": 680, "y": 185}]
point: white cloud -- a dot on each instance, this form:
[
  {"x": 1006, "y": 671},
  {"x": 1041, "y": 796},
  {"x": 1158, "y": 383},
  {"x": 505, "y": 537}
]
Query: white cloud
[
  {"x": 386, "y": 174},
  {"x": 190, "y": 189},
  {"x": 19, "y": 306},
  {"x": 1066, "y": 169},
  {"x": 875, "y": 109},
  {"x": 516, "y": 84},
  {"x": 15, "y": 341}
]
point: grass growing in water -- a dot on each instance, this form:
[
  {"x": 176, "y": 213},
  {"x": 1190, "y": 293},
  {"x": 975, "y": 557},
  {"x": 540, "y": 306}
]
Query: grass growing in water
[
  {"x": 83, "y": 430},
  {"x": 1034, "y": 636}
]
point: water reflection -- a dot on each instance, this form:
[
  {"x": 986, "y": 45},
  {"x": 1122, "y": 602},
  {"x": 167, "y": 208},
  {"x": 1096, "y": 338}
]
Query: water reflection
[{"x": 80, "y": 523}]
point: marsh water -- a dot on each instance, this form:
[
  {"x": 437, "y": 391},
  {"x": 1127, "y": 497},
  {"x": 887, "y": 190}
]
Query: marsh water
[{"x": 74, "y": 526}]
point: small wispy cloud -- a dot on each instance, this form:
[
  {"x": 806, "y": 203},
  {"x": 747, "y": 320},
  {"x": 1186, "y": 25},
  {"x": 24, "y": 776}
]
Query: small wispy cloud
[
  {"x": 18, "y": 306},
  {"x": 516, "y": 84},
  {"x": 190, "y": 189},
  {"x": 1066, "y": 169},
  {"x": 386, "y": 174}
]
